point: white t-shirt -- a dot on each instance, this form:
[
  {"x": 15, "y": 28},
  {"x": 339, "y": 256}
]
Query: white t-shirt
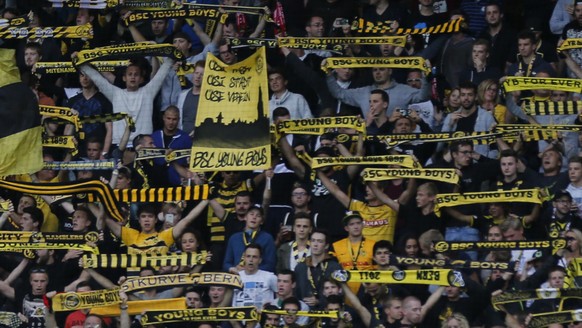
[
  {"x": 258, "y": 289},
  {"x": 576, "y": 193}
]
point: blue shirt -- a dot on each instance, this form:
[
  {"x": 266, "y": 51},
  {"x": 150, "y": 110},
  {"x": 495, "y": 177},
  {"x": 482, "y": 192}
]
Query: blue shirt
[{"x": 236, "y": 247}]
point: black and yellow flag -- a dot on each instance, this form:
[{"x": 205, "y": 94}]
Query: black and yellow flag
[
  {"x": 20, "y": 132},
  {"x": 232, "y": 124}
]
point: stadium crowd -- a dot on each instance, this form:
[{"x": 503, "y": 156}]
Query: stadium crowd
[{"x": 283, "y": 232}]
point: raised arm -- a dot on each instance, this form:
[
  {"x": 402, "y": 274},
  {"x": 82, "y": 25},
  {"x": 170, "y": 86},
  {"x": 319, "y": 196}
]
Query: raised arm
[
  {"x": 100, "y": 279},
  {"x": 529, "y": 219},
  {"x": 267, "y": 192},
  {"x": 99, "y": 213},
  {"x": 262, "y": 23},
  {"x": 352, "y": 170},
  {"x": 124, "y": 316},
  {"x": 156, "y": 83},
  {"x": 431, "y": 301},
  {"x": 124, "y": 138},
  {"x": 204, "y": 38},
  {"x": 408, "y": 193},
  {"x": 7, "y": 290},
  {"x": 184, "y": 172},
  {"x": 194, "y": 213},
  {"x": 63, "y": 174},
  {"x": 227, "y": 299},
  {"x": 352, "y": 299},
  {"x": 422, "y": 94},
  {"x": 17, "y": 271},
  {"x": 6, "y": 214},
  {"x": 84, "y": 276},
  {"x": 108, "y": 138},
  {"x": 560, "y": 16},
  {"x": 218, "y": 209},
  {"x": 101, "y": 82},
  {"x": 572, "y": 65},
  {"x": 348, "y": 96},
  {"x": 383, "y": 197},
  {"x": 289, "y": 154},
  {"x": 469, "y": 219},
  {"x": 135, "y": 33},
  {"x": 334, "y": 189},
  {"x": 113, "y": 226},
  {"x": 514, "y": 108}
]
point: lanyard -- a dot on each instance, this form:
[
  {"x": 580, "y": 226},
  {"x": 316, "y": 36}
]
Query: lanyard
[
  {"x": 529, "y": 66},
  {"x": 355, "y": 258},
  {"x": 247, "y": 242},
  {"x": 312, "y": 281}
]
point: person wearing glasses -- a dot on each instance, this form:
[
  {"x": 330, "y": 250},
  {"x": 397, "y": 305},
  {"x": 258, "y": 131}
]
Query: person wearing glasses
[
  {"x": 315, "y": 28},
  {"x": 489, "y": 98},
  {"x": 563, "y": 216},
  {"x": 424, "y": 111},
  {"x": 573, "y": 249},
  {"x": 475, "y": 169}
]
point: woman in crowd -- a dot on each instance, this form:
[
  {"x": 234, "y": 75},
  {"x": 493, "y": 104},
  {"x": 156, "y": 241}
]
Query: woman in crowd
[{"x": 488, "y": 98}]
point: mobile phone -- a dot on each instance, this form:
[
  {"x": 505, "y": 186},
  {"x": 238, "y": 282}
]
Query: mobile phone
[
  {"x": 169, "y": 218},
  {"x": 404, "y": 111}
]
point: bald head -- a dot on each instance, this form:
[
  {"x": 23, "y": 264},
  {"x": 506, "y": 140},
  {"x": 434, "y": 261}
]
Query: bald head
[{"x": 411, "y": 308}]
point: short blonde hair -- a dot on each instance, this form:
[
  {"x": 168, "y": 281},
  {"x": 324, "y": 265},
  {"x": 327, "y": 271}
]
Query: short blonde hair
[
  {"x": 578, "y": 235},
  {"x": 428, "y": 237},
  {"x": 482, "y": 88},
  {"x": 461, "y": 319}
]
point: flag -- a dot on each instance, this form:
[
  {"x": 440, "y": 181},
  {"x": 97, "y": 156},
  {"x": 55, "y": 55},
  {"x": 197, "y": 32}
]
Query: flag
[
  {"x": 20, "y": 129},
  {"x": 231, "y": 132}
]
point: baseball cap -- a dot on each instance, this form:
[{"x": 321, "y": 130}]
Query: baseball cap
[
  {"x": 561, "y": 193},
  {"x": 351, "y": 215}
]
